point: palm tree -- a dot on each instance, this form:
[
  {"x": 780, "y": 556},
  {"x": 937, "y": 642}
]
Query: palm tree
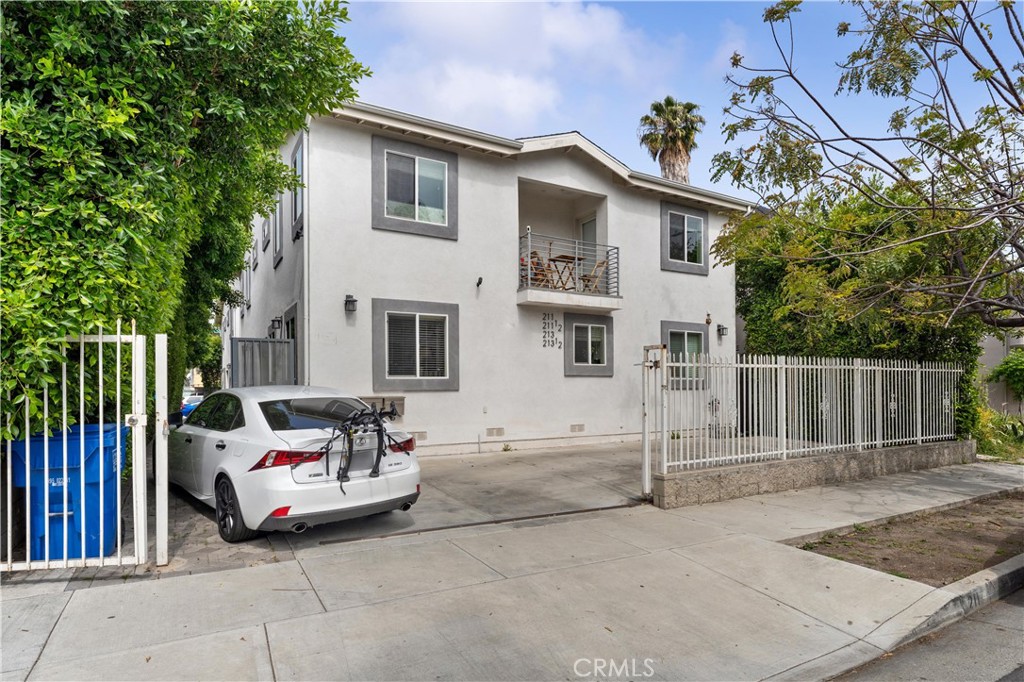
[{"x": 669, "y": 133}]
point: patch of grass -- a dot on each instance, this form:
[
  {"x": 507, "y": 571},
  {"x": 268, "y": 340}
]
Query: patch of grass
[
  {"x": 1001, "y": 435},
  {"x": 900, "y": 574}
]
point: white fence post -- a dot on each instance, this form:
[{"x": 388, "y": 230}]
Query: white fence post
[
  {"x": 137, "y": 422},
  {"x": 780, "y": 402},
  {"x": 918, "y": 404},
  {"x": 662, "y": 367},
  {"x": 858, "y": 403},
  {"x": 645, "y": 437},
  {"x": 160, "y": 434}
]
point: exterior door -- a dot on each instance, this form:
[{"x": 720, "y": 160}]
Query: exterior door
[{"x": 588, "y": 246}]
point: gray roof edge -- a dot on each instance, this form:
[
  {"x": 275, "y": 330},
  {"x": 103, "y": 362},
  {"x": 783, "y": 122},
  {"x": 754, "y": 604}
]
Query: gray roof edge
[
  {"x": 680, "y": 188},
  {"x": 401, "y": 116}
]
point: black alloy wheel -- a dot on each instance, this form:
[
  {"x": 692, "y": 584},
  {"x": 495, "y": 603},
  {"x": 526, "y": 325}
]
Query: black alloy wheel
[{"x": 229, "y": 516}]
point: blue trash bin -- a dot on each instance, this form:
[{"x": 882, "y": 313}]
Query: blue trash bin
[{"x": 94, "y": 470}]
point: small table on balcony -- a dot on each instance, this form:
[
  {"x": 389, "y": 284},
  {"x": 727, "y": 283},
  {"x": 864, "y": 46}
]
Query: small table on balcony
[{"x": 565, "y": 270}]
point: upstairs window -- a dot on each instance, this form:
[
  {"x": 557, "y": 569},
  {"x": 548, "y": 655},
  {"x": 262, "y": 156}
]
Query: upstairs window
[
  {"x": 686, "y": 238},
  {"x": 278, "y": 231},
  {"x": 297, "y": 195},
  {"x": 416, "y": 189}
]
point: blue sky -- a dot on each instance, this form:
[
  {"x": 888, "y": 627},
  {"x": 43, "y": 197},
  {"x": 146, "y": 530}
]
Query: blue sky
[{"x": 519, "y": 69}]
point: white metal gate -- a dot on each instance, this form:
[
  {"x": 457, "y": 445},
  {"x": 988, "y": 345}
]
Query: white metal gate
[
  {"x": 75, "y": 479},
  {"x": 701, "y": 411}
]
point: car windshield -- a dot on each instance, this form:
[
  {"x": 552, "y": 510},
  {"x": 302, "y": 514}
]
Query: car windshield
[{"x": 291, "y": 414}]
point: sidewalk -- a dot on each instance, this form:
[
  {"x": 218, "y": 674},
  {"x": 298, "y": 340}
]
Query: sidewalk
[{"x": 701, "y": 593}]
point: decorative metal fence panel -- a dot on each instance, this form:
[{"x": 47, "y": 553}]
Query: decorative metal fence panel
[
  {"x": 702, "y": 411},
  {"x": 75, "y": 478}
]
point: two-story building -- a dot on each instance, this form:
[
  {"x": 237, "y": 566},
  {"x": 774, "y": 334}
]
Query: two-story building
[{"x": 500, "y": 290}]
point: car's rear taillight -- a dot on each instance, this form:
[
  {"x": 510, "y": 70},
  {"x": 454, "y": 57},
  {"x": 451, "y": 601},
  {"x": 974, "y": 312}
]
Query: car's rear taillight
[
  {"x": 280, "y": 458},
  {"x": 407, "y": 445}
]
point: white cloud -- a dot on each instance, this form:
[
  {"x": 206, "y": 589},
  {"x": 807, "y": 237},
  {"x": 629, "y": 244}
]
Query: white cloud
[
  {"x": 733, "y": 39},
  {"x": 477, "y": 95},
  {"x": 503, "y": 66}
]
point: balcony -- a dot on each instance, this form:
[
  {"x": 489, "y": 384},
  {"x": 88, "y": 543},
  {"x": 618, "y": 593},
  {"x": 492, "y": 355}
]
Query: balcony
[{"x": 568, "y": 273}]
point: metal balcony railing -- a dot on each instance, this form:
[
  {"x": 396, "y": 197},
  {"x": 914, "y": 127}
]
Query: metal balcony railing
[{"x": 567, "y": 265}]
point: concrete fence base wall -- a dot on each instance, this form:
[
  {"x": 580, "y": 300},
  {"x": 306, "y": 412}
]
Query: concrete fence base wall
[{"x": 701, "y": 486}]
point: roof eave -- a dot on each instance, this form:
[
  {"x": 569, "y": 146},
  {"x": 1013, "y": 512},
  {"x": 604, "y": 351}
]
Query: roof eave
[
  {"x": 643, "y": 181},
  {"x": 400, "y": 123}
]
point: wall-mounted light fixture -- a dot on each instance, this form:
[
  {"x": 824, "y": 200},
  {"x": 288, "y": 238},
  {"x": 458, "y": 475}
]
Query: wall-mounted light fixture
[
  {"x": 479, "y": 281},
  {"x": 707, "y": 320},
  {"x": 273, "y": 328},
  {"x": 350, "y": 303},
  {"x": 723, "y": 330}
]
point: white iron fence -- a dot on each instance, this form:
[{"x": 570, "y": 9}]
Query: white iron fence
[
  {"x": 700, "y": 411},
  {"x": 75, "y": 494}
]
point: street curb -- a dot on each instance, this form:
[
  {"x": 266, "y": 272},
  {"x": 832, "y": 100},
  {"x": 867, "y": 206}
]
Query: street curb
[{"x": 971, "y": 594}]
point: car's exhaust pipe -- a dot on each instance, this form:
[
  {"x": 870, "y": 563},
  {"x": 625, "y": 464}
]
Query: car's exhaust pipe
[
  {"x": 407, "y": 506},
  {"x": 300, "y": 527}
]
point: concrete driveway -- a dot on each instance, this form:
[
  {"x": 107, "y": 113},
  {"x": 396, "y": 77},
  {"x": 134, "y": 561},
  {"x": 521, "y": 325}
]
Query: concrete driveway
[{"x": 456, "y": 491}]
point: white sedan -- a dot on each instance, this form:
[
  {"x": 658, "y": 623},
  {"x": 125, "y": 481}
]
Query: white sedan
[{"x": 290, "y": 457}]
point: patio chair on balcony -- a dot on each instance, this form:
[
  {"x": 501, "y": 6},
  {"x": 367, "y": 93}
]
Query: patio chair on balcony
[
  {"x": 591, "y": 283},
  {"x": 541, "y": 274}
]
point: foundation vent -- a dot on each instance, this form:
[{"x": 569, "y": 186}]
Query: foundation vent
[
  {"x": 496, "y": 432},
  {"x": 577, "y": 428},
  {"x": 420, "y": 436}
]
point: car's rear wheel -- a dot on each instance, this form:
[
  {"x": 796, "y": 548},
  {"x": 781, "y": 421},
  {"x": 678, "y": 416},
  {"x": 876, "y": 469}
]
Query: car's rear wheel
[{"x": 229, "y": 515}]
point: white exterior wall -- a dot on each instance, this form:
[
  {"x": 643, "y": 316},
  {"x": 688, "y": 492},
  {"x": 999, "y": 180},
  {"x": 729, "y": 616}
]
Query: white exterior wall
[
  {"x": 993, "y": 351},
  {"x": 275, "y": 289},
  {"x": 507, "y": 378}
]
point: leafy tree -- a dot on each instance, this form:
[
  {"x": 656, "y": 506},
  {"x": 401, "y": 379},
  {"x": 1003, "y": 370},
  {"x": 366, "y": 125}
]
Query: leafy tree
[
  {"x": 944, "y": 236},
  {"x": 210, "y": 364},
  {"x": 789, "y": 306},
  {"x": 1011, "y": 370},
  {"x": 138, "y": 140},
  {"x": 669, "y": 133}
]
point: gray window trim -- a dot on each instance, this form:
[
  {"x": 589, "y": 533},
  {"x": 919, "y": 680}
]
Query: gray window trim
[
  {"x": 381, "y": 221},
  {"x": 297, "y": 214},
  {"x": 668, "y": 326},
  {"x": 571, "y": 368},
  {"x": 380, "y": 307},
  {"x": 266, "y": 233},
  {"x": 675, "y": 265},
  {"x": 277, "y": 231}
]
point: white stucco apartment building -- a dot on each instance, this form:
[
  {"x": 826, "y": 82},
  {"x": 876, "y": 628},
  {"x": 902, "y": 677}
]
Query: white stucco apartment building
[{"x": 500, "y": 290}]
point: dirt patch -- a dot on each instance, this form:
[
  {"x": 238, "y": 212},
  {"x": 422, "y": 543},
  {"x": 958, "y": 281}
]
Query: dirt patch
[{"x": 937, "y": 548}]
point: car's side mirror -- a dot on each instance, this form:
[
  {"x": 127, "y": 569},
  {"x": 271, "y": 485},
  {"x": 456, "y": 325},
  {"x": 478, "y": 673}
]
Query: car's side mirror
[{"x": 175, "y": 419}]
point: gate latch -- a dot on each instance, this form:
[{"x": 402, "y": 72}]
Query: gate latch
[{"x": 135, "y": 420}]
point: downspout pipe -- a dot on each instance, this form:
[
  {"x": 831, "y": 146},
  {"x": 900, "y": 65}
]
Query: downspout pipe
[{"x": 307, "y": 236}]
